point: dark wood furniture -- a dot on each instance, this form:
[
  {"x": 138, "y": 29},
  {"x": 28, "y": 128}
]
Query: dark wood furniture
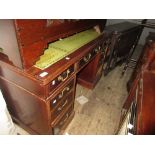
[
  {"x": 140, "y": 61},
  {"x": 124, "y": 40},
  {"x": 42, "y": 101},
  {"x": 138, "y": 111}
]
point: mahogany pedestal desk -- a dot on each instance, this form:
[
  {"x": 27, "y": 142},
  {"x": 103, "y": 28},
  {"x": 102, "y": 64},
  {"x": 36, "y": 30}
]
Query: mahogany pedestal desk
[{"x": 42, "y": 100}]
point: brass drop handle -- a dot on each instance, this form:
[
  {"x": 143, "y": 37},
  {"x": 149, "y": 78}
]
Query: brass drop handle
[
  {"x": 96, "y": 50},
  {"x": 60, "y": 78},
  {"x": 86, "y": 59},
  {"x": 64, "y": 119},
  {"x": 62, "y": 93},
  {"x": 60, "y": 108}
]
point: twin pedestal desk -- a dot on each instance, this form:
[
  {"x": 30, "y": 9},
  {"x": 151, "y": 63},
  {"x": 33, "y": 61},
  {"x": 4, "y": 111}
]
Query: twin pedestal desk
[{"x": 39, "y": 85}]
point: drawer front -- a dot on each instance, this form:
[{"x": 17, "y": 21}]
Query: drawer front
[
  {"x": 63, "y": 120},
  {"x": 67, "y": 101},
  {"x": 60, "y": 79},
  {"x": 61, "y": 95},
  {"x": 86, "y": 58}
]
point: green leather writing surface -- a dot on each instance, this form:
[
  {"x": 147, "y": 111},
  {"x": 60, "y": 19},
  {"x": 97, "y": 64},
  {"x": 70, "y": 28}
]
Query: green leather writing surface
[{"x": 60, "y": 49}]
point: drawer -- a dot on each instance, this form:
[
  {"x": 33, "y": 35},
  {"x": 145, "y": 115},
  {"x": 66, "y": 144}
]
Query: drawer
[
  {"x": 60, "y": 79},
  {"x": 86, "y": 58},
  {"x": 60, "y": 124},
  {"x": 62, "y": 105},
  {"x": 62, "y": 93}
]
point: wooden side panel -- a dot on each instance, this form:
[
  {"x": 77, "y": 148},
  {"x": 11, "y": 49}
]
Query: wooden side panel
[
  {"x": 34, "y": 30},
  {"x": 18, "y": 78},
  {"x": 148, "y": 104},
  {"x": 34, "y": 35},
  {"x": 26, "y": 108}
]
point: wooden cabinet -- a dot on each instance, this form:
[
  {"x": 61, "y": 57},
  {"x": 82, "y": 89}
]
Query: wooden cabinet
[
  {"x": 138, "y": 110},
  {"x": 42, "y": 100},
  {"x": 125, "y": 38}
]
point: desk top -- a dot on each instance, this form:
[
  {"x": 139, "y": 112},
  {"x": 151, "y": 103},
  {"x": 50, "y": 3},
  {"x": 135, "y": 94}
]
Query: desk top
[{"x": 60, "y": 49}]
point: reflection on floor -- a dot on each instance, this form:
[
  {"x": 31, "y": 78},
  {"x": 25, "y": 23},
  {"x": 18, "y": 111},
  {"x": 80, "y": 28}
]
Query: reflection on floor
[{"x": 101, "y": 114}]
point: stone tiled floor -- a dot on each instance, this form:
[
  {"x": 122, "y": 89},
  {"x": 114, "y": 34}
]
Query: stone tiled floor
[{"x": 101, "y": 114}]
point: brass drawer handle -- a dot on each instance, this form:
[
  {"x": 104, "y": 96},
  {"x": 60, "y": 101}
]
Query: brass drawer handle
[
  {"x": 96, "y": 50},
  {"x": 60, "y": 108},
  {"x": 60, "y": 78},
  {"x": 64, "y": 119},
  {"x": 86, "y": 59},
  {"x": 62, "y": 93}
]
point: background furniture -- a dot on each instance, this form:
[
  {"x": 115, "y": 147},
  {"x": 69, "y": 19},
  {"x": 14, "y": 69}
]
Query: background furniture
[
  {"x": 124, "y": 40},
  {"x": 138, "y": 110},
  {"x": 140, "y": 61}
]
